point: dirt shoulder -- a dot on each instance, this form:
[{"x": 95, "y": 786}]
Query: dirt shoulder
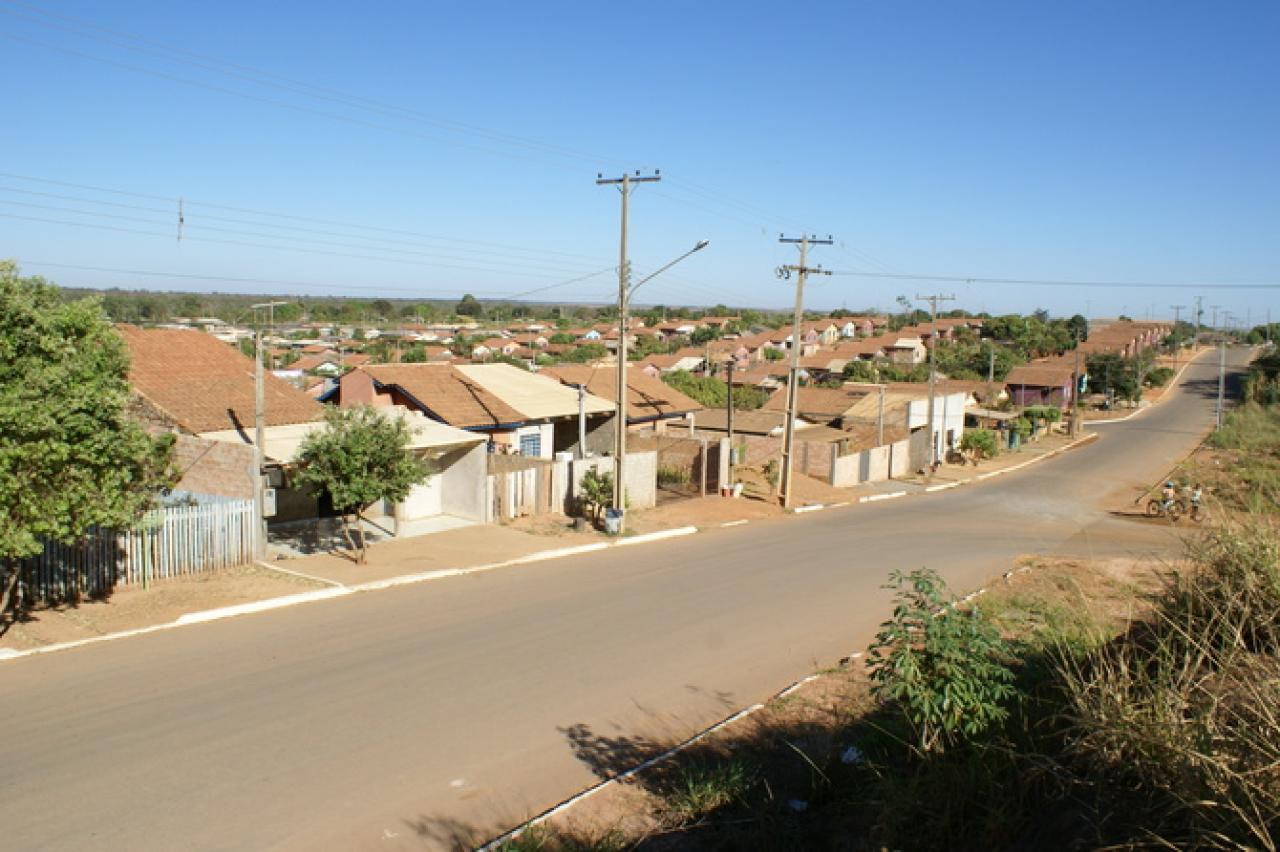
[
  {"x": 132, "y": 607},
  {"x": 773, "y": 776}
]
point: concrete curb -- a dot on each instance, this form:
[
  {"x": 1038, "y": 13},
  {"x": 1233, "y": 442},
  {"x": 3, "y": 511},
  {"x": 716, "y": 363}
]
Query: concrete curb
[
  {"x": 873, "y": 498},
  {"x": 656, "y": 536}
]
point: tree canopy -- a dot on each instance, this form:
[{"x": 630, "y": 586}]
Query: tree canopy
[
  {"x": 359, "y": 458},
  {"x": 70, "y": 457}
]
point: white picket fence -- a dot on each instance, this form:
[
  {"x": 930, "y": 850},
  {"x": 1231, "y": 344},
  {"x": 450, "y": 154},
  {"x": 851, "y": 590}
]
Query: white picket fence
[{"x": 175, "y": 541}]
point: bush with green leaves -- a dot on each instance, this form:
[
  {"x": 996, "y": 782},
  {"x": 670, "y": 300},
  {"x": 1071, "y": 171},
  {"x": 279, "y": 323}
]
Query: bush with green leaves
[
  {"x": 1047, "y": 413},
  {"x": 1159, "y": 377},
  {"x": 1021, "y": 426},
  {"x": 597, "y": 493},
  {"x": 981, "y": 442},
  {"x": 359, "y": 458},
  {"x": 945, "y": 668}
]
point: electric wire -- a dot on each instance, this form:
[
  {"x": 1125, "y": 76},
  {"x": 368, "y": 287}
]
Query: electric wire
[{"x": 1045, "y": 282}]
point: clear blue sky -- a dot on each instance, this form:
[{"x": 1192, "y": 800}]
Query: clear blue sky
[{"x": 1080, "y": 141}]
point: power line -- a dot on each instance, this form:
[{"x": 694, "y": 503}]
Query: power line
[
  {"x": 292, "y": 242},
  {"x": 1042, "y": 282},
  {"x": 289, "y": 283},
  {"x": 277, "y": 215},
  {"x": 242, "y": 243}
]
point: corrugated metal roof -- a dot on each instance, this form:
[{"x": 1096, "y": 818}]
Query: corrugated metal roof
[
  {"x": 534, "y": 396},
  {"x": 281, "y": 443}
]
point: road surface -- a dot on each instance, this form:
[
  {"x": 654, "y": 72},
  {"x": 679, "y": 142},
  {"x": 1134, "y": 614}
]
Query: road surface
[{"x": 393, "y": 719}]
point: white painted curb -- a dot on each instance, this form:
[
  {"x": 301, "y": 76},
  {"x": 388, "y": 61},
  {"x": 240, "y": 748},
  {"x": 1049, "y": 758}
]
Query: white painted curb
[
  {"x": 738, "y": 523},
  {"x": 261, "y": 606},
  {"x": 800, "y": 510},
  {"x": 657, "y": 536},
  {"x": 872, "y": 498}
]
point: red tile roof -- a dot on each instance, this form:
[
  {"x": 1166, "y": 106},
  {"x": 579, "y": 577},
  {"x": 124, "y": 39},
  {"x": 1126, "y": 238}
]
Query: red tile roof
[{"x": 206, "y": 385}]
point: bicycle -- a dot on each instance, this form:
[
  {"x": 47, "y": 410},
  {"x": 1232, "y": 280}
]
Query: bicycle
[{"x": 1156, "y": 507}]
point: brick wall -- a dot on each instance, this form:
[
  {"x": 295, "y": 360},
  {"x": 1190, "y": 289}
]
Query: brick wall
[{"x": 214, "y": 467}]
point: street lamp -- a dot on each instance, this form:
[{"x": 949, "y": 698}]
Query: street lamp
[{"x": 624, "y": 302}]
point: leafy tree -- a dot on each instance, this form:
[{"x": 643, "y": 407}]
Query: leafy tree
[
  {"x": 359, "y": 458},
  {"x": 704, "y": 335},
  {"x": 383, "y": 309},
  {"x": 771, "y": 354},
  {"x": 944, "y": 668},
  {"x": 561, "y": 337},
  {"x": 70, "y": 457},
  {"x": 586, "y": 352},
  {"x": 714, "y": 393},
  {"x": 1114, "y": 375},
  {"x": 861, "y": 371},
  {"x": 469, "y": 307}
]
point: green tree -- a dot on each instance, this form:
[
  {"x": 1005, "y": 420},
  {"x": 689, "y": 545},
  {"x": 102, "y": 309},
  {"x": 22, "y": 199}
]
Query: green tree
[
  {"x": 359, "y": 458},
  {"x": 469, "y": 307},
  {"x": 70, "y": 457},
  {"x": 944, "y": 668}
]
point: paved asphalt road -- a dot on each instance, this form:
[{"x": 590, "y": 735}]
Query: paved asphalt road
[{"x": 385, "y": 720}]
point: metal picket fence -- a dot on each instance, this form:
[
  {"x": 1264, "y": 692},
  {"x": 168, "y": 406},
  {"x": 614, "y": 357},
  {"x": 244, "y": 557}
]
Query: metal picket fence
[{"x": 170, "y": 542}]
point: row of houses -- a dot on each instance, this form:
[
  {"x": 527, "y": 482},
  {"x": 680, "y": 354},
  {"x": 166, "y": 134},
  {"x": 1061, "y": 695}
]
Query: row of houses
[
  {"x": 1056, "y": 381},
  {"x": 459, "y": 416}
]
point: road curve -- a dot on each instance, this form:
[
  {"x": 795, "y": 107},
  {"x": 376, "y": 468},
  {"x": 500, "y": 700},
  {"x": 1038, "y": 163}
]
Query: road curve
[{"x": 396, "y": 719}]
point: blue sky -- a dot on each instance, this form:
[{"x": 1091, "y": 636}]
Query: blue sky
[{"x": 457, "y": 145}]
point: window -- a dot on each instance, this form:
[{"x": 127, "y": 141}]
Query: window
[{"x": 531, "y": 444}]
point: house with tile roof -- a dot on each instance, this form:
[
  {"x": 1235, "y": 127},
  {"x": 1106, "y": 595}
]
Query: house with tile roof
[
  {"x": 1048, "y": 381},
  {"x": 518, "y": 412},
  {"x": 651, "y": 402}
]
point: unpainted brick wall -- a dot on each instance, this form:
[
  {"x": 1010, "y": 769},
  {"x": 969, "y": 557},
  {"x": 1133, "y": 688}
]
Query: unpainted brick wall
[{"x": 214, "y": 467}]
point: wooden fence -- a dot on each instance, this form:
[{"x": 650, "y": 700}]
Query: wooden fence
[{"x": 175, "y": 541}]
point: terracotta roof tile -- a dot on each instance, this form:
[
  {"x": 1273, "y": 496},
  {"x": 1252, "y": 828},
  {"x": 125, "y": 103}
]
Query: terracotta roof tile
[{"x": 206, "y": 385}]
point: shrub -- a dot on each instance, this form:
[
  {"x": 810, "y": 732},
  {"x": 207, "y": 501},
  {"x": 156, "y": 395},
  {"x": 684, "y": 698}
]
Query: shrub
[
  {"x": 1021, "y": 426},
  {"x": 980, "y": 441},
  {"x": 1047, "y": 413},
  {"x": 944, "y": 668},
  {"x": 597, "y": 493},
  {"x": 1159, "y": 377},
  {"x": 673, "y": 476},
  {"x": 1181, "y": 714}
]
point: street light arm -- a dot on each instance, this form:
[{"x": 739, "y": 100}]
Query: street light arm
[{"x": 699, "y": 247}]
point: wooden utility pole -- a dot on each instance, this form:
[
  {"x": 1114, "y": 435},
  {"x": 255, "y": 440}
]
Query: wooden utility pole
[
  {"x": 933, "y": 371},
  {"x": 729, "y": 415},
  {"x": 802, "y": 271}
]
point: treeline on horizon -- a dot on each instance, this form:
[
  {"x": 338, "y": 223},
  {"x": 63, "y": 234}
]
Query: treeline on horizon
[{"x": 158, "y": 306}]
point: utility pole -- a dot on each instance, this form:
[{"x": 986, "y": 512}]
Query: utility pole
[
  {"x": 933, "y": 369},
  {"x": 1076, "y": 422},
  {"x": 802, "y": 271},
  {"x": 991, "y": 363},
  {"x": 626, "y": 185},
  {"x": 1214, "y": 308},
  {"x": 1222, "y": 379},
  {"x": 1199, "y": 317},
  {"x": 729, "y": 415},
  {"x": 1177, "y": 342},
  {"x": 260, "y": 435}
]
